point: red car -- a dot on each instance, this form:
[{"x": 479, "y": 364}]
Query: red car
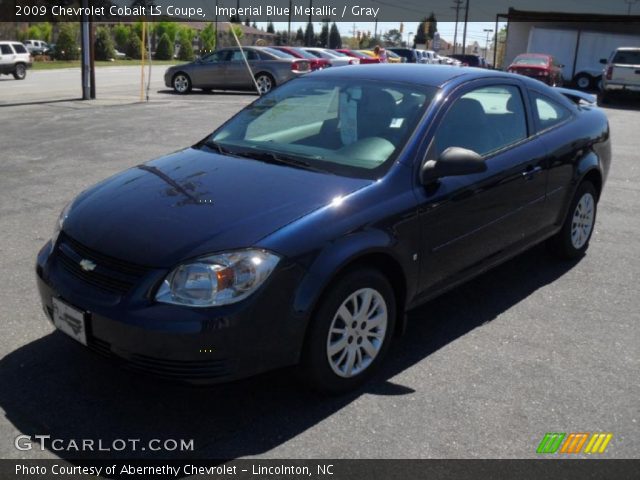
[
  {"x": 540, "y": 66},
  {"x": 315, "y": 62},
  {"x": 364, "y": 59}
]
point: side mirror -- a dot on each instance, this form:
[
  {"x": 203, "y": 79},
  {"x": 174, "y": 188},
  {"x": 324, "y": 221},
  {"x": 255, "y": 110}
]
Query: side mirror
[
  {"x": 454, "y": 161},
  {"x": 603, "y": 61}
]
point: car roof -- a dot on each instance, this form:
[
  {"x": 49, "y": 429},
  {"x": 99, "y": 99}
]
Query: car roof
[
  {"x": 428, "y": 75},
  {"x": 534, "y": 55}
]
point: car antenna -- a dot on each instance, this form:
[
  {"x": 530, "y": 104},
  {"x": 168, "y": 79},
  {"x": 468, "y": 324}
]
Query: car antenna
[{"x": 244, "y": 57}]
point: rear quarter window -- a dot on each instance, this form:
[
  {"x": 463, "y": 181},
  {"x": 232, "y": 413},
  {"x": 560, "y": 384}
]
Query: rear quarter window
[
  {"x": 19, "y": 48},
  {"x": 547, "y": 112}
]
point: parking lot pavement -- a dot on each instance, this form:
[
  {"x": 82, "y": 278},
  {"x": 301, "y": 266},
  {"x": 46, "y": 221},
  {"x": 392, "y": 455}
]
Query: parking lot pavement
[
  {"x": 113, "y": 84},
  {"x": 486, "y": 370}
]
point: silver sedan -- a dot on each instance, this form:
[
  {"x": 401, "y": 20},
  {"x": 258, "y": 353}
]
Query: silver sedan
[{"x": 225, "y": 69}]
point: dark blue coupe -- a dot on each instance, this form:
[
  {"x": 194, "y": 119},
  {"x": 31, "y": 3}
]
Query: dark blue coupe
[{"x": 301, "y": 230}]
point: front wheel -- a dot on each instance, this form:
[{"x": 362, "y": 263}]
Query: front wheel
[
  {"x": 20, "y": 72},
  {"x": 181, "y": 83},
  {"x": 350, "y": 333},
  {"x": 573, "y": 240},
  {"x": 265, "y": 83}
]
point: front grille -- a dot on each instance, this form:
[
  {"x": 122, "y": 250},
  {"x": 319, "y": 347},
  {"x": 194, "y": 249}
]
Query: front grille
[
  {"x": 110, "y": 274},
  {"x": 171, "y": 369}
]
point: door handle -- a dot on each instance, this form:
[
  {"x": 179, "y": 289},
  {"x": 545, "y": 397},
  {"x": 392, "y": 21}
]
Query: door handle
[{"x": 530, "y": 172}]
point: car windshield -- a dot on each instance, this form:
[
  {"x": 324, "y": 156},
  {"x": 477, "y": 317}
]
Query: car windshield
[
  {"x": 347, "y": 127},
  {"x": 535, "y": 61}
]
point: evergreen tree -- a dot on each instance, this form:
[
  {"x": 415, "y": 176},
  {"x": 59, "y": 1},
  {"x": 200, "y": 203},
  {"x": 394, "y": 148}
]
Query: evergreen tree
[
  {"x": 67, "y": 45},
  {"x": 324, "y": 33},
  {"x": 300, "y": 36},
  {"x": 121, "y": 36},
  {"x": 309, "y": 36},
  {"x": 134, "y": 47},
  {"x": 270, "y": 27},
  {"x": 104, "y": 49},
  {"x": 186, "y": 49},
  {"x": 164, "y": 49},
  {"x": 335, "y": 40}
]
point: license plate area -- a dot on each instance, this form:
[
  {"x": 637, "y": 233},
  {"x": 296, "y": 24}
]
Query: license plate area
[{"x": 70, "y": 320}]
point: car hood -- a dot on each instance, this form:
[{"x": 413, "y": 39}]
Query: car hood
[{"x": 195, "y": 202}]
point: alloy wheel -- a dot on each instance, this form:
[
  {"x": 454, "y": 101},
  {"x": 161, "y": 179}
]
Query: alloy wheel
[
  {"x": 181, "y": 83},
  {"x": 20, "y": 71},
  {"x": 357, "y": 332},
  {"x": 265, "y": 84},
  {"x": 582, "y": 222}
]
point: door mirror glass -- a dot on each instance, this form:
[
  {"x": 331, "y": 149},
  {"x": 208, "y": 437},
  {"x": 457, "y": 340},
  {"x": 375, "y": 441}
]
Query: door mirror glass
[{"x": 454, "y": 161}]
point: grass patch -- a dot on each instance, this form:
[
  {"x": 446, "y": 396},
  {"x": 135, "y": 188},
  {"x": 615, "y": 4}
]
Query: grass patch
[{"x": 55, "y": 64}]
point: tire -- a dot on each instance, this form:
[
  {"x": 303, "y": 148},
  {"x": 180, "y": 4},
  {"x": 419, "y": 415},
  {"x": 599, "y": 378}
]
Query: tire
[
  {"x": 604, "y": 98},
  {"x": 584, "y": 81},
  {"x": 573, "y": 240},
  {"x": 265, "y": 83},
  {"x": 20, "y": 71},
  {"x": 339, "y": 354},
  {"x": 181, "y": 83}
]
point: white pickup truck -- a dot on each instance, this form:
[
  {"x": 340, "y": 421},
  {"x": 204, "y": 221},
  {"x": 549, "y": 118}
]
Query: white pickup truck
[{"x": 622, "y": 72}]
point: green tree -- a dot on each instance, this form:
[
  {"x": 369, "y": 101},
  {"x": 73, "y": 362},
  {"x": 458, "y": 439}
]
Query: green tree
[
  {"x": 432, "y": 26},
  {"x": 121, "y": 35},
  {"x": 134, "y": 47},
  {"x": 170, "y": 28},
  {"x": 335, "y": 40},
  {"x": 208, "y": 37},
  {"x": 270, "y": 27},
  {"x": 309, "y": 36},
  {"x": 104, "y": 49},
  {"x": 67, "y": 44},
  {"x": 186, "y": 49},
  {"x": 237, "y": 29},
  {"x": 392, "y": 38},
  {"x": 39, "y": 31},
  {"x": 300, "y": 36},
  {"x": 324, "y": 33},
  {"x": 164, "y": 49}
]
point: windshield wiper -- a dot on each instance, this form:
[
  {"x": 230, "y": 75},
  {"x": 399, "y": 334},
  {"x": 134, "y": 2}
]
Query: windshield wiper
[
  {"x": 279, "y": 159},
  {"x": 216, "y": 146}
]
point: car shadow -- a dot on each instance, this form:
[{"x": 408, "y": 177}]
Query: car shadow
[
  {"x": 54, "y": 386},
  {"x": 624, "y": 102},
  {"x": 196, "y": 92}
]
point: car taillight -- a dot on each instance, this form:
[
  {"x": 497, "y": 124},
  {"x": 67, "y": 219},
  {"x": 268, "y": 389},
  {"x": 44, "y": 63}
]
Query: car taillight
[
  {"x": 300, "y": 66},
  {"x": 544, "y": 73},
  {"x": 609, "y": 72}
]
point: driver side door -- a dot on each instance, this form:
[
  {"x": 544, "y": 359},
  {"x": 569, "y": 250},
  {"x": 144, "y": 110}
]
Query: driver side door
[
  {"x": 470, "y": 221},
  {"x": 211, "y": 71}
]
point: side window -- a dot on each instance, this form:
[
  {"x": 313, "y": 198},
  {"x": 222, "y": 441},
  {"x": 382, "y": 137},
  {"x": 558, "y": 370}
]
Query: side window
[
  {"x": 547, "y": 112},
  {"x": 216, "y": 57},
  {"x": 6, "y": 50},
  {"x": 237, "y": 55},
  {"x": 484, "y": 120},
  {"x": 19, "y": 48}
]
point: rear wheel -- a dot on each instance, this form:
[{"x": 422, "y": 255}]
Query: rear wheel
[
  {"x": 573, "y": 240},
  {"x": 181, "y": 83},
  {"x": 20, "y": 71},
  {"x": 350, "y": 332},
  {"x": 265, "y": 83}
]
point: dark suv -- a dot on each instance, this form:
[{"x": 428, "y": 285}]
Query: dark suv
[{"x": 409, "y": 53}]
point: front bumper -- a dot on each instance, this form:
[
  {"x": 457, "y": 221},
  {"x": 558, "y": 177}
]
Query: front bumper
[{"x": 196, "y": 345}]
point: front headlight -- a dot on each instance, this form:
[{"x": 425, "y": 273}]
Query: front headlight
[
  {"x": 217, "y": 279},
  {"x": 60, "y": 223}
]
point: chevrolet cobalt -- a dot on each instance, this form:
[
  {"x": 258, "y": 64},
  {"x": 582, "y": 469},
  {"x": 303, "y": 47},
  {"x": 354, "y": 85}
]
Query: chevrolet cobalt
[{"x": 301, "y": 230}]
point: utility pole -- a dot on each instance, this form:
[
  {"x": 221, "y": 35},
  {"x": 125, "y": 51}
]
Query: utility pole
[
  {"x": 457, "y": 7},
  {"x": 464, "y": 34},
  {"x": 86, "y": 53},
  {"x": 216, "y": 22},
  {"x": 629, "y": 3},
  {"x": 486, "y": 43},
  {"x": 289, "y": 25}
]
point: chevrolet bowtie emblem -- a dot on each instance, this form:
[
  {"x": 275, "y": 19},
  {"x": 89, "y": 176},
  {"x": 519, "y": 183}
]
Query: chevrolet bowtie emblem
[{"x": 87, "y": 265}]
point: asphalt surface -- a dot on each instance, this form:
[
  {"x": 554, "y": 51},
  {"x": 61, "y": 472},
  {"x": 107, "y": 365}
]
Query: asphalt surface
[{"x": 484, "y": 371}]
